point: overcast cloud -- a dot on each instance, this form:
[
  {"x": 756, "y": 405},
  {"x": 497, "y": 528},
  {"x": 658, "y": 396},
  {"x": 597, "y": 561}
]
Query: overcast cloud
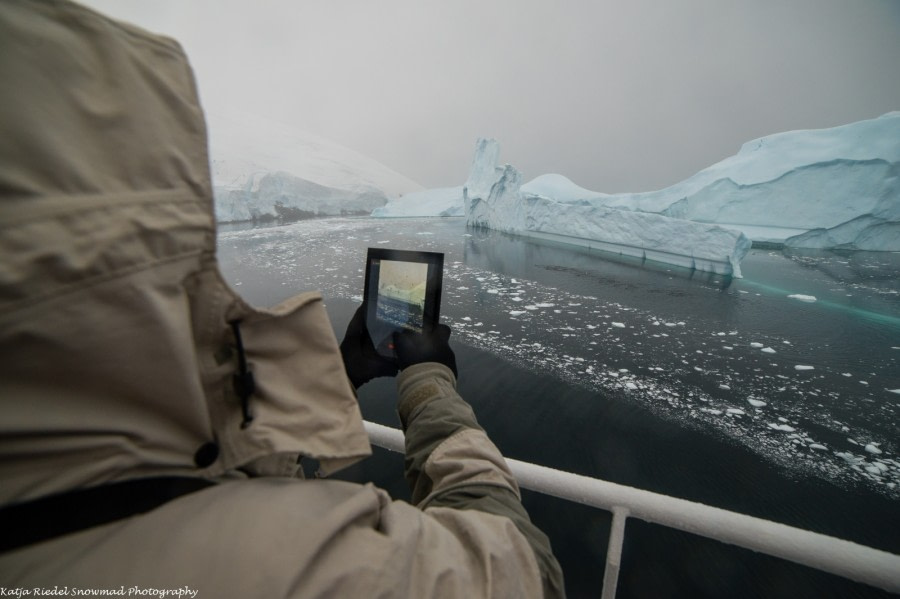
[{"x": 618, "y": 96}]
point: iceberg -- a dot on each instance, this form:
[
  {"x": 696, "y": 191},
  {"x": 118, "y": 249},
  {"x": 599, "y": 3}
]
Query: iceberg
[
  {"x": 821, "y": 189},
  {"x": 444, "y": 201},
  {"x": 494, "y": 197},
  {"x": 263, "y": 170}
]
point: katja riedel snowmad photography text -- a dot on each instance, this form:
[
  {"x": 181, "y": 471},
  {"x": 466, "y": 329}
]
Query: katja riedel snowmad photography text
[{"x": 121, "y": 591}]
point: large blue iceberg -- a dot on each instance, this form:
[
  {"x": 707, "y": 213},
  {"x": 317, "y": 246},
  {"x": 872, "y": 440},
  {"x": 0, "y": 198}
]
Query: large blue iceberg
[
  {"x": 825, "y": 188},
  {"x": 494, "y": 198}
]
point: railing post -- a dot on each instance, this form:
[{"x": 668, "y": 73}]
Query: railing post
[{"x": 614, "y": 552}]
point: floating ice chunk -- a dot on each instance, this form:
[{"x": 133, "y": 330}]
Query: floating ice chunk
[
  {"x": 756, "y": 345},
  {"x": 725, "y": 387},
  {"x": 467, "y": 318},
  {"x": 781, "y": 427},
  {"x": 516, "y": 312},
  {"x": 803, "y": 367},
  {"x": 712, "y": 411},
  {"x": 846, "y": 374},
  {"x": 736, "y": 411},
  {"x": 873, "y": 448},
  {"x": 493, "y": 291},
  {"x": 873, "y": 470},
  {"x": 728, "y": 347},
  {"x": 818, "y": 446},
  {"x": 630, "y": 385},
  {"x": 545, "y": 305},
  {"x": 803, "y": 298},
  {"x": 893, "y": 391},
  {"x": 531, "y": 307},
  {"x": 767, "y": 350},
  {"x": 619, "y": 325},
  {"x": 756, "y": 403}
]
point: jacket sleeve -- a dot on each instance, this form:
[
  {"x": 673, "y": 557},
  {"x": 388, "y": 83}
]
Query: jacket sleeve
[{"x": 451, "y": 462}]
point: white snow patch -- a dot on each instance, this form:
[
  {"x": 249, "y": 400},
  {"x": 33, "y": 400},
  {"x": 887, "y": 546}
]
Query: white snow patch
[{"x": 803, "y": 367}]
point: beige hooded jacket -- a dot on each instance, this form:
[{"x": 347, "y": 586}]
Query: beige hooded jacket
[{"x": 118, "y": 359}]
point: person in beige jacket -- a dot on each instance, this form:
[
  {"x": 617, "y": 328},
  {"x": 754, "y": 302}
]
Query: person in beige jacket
[{"x": 151, "y": 422}]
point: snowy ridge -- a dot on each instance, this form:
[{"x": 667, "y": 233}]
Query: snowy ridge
[
  {"x": 494, "y": 198},
  {"x": 258, "y": 164}
]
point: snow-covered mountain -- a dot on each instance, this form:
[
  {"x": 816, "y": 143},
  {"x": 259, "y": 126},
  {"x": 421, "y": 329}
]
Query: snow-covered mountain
[{"x": 265, "y": 170}]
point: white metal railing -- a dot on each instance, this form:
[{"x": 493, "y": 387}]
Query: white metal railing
[{"x": 822, "y": 552}]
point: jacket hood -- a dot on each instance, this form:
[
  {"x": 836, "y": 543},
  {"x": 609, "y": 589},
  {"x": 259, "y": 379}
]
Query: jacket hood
[{"x": 118, "y": 356}]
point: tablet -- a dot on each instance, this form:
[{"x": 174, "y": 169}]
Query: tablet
[{"x": 403, "y": 293}]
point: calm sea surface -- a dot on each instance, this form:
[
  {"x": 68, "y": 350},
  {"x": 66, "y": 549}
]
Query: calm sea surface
[{"x": 776, "y": 395}]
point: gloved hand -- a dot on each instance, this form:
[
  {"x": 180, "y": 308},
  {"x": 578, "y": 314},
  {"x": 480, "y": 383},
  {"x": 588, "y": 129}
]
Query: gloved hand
[
  {"x": 431, "y": 346},
  {"x": 361, "y": 360}
]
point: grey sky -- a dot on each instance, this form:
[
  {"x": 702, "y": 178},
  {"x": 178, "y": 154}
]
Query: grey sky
[{"x": 618, "y": 96}]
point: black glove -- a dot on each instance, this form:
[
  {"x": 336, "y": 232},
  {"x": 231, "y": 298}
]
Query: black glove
[
  {"x": 361, "y": 360},
  {"x": 431, "y": 346}
]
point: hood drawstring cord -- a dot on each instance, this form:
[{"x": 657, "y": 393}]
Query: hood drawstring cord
[{"x": 244, "y": 384}]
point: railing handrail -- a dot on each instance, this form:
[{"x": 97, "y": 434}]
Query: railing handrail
[{"x": 829, "y": 554}]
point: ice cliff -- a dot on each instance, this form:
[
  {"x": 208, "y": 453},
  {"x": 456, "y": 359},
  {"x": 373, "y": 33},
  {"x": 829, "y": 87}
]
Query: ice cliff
[
  {"x": 263, "y": 170},
  {"x": 493, "y": 197}
]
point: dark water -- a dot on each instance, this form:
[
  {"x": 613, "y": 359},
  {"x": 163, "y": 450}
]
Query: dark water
[{"x": 649, "y": 376}]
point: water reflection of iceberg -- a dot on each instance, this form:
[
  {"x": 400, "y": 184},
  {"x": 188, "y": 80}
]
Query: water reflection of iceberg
[{"x": 401, "y": 313}]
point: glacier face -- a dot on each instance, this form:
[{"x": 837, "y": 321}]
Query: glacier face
[
  {"x": 495, "y": 198},
  {"x": 263, "y": 170},
  {"x": 826, "y": 188}
]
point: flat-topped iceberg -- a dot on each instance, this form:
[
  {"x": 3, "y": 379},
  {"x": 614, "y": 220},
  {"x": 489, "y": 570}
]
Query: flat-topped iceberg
[
  {"x": 263, "y": 170},
  {"x": 494, "y": 198}
]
